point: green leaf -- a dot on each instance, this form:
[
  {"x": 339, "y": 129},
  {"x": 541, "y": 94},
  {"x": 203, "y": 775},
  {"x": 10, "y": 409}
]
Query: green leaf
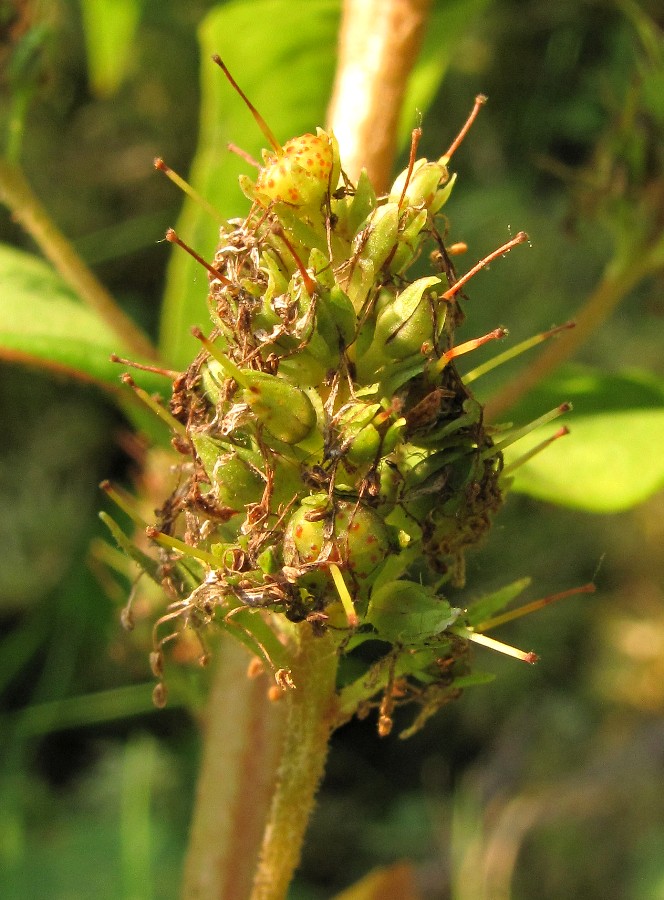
[
  {"x": 491, "y": 604},
  {"x": 109, "y": 27},
  {"x": 612, "y": 459},
  {"x": 410, "y": 613},
  {"x": 283, "y": 58},
  {"x": 43, "y": 322}
]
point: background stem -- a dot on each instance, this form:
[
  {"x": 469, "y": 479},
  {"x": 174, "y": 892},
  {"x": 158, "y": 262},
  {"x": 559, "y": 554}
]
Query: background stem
[
  {"x": 242, "y": 736},
  {"x": 17, "y": 195},
  {"x": 378, "y": 47}
]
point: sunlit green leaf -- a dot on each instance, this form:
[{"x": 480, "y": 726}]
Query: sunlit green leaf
[
  {"x": 612, "y": 459},
  {"x": 109, "y": 27},
  {"x": 491, "y": 604},
  {"x": 43, "y": 322}
]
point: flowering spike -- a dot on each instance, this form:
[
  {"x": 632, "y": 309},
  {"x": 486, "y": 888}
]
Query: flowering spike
[{"x": 335, "y": 460}]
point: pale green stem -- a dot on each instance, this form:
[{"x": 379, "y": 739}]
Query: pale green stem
[
  {"x": 17, "y": 195},
  {"x": 312, "y": 717}
]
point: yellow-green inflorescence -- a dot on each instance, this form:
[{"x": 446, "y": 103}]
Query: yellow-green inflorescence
[{"x": 336, "y": 468}]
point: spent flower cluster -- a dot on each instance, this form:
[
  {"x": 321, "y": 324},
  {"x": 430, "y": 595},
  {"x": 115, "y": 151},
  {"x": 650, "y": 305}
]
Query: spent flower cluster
[{"x": 334, "y": 467}]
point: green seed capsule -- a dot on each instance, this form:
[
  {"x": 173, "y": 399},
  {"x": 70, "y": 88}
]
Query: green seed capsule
[
  {"x": 281, "y": 407},
  {"x": 360, "y": 537}
]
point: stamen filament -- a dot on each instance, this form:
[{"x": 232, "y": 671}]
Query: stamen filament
[
  {"x": 158, "y": 370},
  {"x": 520, "y": 238},
  {"x": 518, "y": 433},
  {"x": 415, "y": 137},
  {"x": 480, "y": 100},
  {"x": 469, "y": 346},
  {"x": 344, "y": 595},
  {"x": 156, "y": 408},
  {"x": 513, "y": 352},
  {"x": 260, "y": 121},
  {"x": 528, "y": 608},
  {"x": 124, "y": 501},
  {"x": 171, "y": 543},
  {"x": 174, "y": 238},
  {"x": 538, "y": 448},
  {"x": 493, "y": 644},
  {"x": 186, "y": 188}
]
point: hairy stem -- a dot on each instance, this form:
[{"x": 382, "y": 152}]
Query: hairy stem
[
  {"x": 379, "y": 43},
  {"x": 17, "y": 195},
  {"x": 312, "y": 716}
]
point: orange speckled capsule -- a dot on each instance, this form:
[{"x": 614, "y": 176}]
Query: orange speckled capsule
[
  {"x": 361, "y": 539},
  {"x": 302, "y": 174}
]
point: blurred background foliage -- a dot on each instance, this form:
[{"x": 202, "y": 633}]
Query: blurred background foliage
[{"x": 547, "y": 783}]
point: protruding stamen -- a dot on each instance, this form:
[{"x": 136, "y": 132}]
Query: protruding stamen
[
  {"x": 493, "y": 644},
  {"x": 156, "y": 408},
  {"x": 534, "y": 606},
  {"x": 260, "y": 121},
  {"x": 229, "y": 367},
  {"x": 516, "y": 435},
  {"x": 521, "y": 460},
  {"x": 186, "y": 188},
  {"x": 480, "y": 100},
  {"x": 247, "y": 157},
  {"x": 415, "y": 137},
  {"x": 158, "y": 370},
  {"x": 171, "y": 543},
  {"x": 174, "y": 238},
  {"x": 309, "y": 282},
  {"x": 469, "y": 346},
  {"x": 344, "y": 596},
  {"x": 515, "y": 351},
  {"x": 520, "y": 238},
  {"x": 124, "y": 501}
]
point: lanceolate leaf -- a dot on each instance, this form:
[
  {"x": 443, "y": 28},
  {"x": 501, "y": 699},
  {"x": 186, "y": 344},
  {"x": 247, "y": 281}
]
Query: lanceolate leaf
[
  {"x": 612, "y": 459},
  {"x": 43, "y": 322}
]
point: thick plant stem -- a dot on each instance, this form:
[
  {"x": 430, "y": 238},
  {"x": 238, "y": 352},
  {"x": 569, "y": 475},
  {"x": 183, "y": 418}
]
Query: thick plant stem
[
  {"x": 17, "y": 195},
  {"x": 243, "y": 731},
  {"x": 312, "y": 716},
  {"x": 379, "y": 43}
]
